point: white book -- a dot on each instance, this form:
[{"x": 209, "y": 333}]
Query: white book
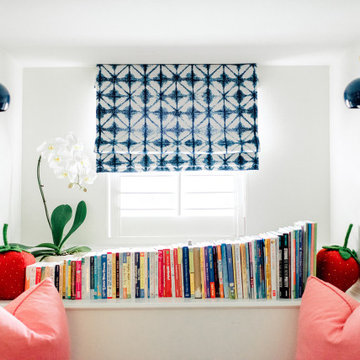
[{"x": 238, "y": 271}]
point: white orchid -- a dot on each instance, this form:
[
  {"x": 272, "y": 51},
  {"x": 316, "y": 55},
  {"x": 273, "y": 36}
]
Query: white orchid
[{"x": 67, "y": 159}]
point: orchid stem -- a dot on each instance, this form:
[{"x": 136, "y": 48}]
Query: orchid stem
[
  {"x": 347, "y": 235},
  {"x": 42, "y": 193}
]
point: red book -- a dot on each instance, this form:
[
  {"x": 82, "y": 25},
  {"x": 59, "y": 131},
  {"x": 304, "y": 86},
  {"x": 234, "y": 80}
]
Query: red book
[
  {"x": 78, "y": 280},
  {"x": 160, "y": 274},
  {"x": 38, "y": 275},
  {"x": 176, "y": 273},
  {"x": 167, "y": 292}
]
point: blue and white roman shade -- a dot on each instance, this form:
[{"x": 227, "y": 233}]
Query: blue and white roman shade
[{"x": 176, "y": 117}]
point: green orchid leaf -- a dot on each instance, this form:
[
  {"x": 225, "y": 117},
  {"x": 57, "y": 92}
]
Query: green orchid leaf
[
  {"x": 77, "y": 249},
  {"x": 332, "y": 247},
  {"x": 43, "y": 252},
  {"x": 22, "y": 246},
  {"x": 59, "y": 218},
  {"x": 345, "y": 254},
  {"x": 80, "y": 216},
  {"x": 48, "y": 245}
]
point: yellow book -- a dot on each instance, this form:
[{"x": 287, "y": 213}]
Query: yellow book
[
  {"x": 128, "y": 271},
  {"x": 125, "y": 276},
  {"x": 181, "y": 270},
  {"x": 192, "y": 272},
  {"x": 113, "y": 275},
  {"x": 64, "y": 280},
  {"x": 268, "y": 268},
  {"x": 234, "y": 269},
  {"x": 202, "y": 271},
  {"x": 244, "y": 271}
]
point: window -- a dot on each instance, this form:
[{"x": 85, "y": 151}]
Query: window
[{"x": 175, "y": 206}]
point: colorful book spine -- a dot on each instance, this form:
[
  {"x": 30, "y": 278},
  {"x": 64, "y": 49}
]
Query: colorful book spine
[
  {"x": 167, "y": 287},
  {"x": 176, "y": 273},
  {"x": 160, "y": 274},
  {"x": 117, "y": 275},
  {"x": 220, "y": 271},
  {"x": 73, "y": 279},
  {"x": 113, "y": 275},
  {"x": 202, "y": 273},
  {"x": 137, "y": 275},
  {"x": 197, "y": 273},
  {"x": 230, "y": 271},
  {"x": 225, "y": 271},
  {"x": 78, "y": 280},
  {"x": 192, "y": 273},
  {"x": 109, "y": 275},
  {"x": 239, "y": 286},
  {"x": 104, "y": 287},
  {"x": 244, "y": 272},
  {"x": 186, "y": 272},
  {"x": 142, "y": 275},
  {"x": 216, "y": 272},
  {"x": 211, "y": 272},
  {"x": 207, "y": 272},
  {"x": 57, "y": 278}
]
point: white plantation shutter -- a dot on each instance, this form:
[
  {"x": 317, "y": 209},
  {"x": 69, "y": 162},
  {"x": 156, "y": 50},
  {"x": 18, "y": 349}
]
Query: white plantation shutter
[{"x": 176, "y": 205}]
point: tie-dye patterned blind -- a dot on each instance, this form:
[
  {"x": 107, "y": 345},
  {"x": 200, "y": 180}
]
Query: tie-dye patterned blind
[{"x": 176, "y": 118}]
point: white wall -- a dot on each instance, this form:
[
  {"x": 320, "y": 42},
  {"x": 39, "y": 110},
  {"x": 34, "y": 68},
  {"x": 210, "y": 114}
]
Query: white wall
[
  {"x": 344, "y": 150},
  {"x": 184, "y": 334},
  {"x": 292, "y": 184},
  {"x": 10, "y": 149}
]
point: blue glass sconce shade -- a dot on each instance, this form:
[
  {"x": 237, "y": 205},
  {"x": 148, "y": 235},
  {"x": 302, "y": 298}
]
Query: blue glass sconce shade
[
  {"x": 4, "y": 98},
  {"x": 352, "y": 94}
]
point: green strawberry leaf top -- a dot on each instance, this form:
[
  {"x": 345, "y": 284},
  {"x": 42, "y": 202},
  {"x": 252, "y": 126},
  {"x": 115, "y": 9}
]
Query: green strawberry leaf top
[
  {"x": 344, "y": 251},
  {"x": 8, "y": 247}
]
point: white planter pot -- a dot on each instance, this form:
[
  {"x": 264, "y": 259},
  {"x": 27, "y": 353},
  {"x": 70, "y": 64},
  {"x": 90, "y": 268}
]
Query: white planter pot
[{"x": 55, "y": 258}]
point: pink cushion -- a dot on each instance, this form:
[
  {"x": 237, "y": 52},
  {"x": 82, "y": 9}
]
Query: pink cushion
[
  {"x": 34, "y": 326},
  {"x": 329, "y": 323}
]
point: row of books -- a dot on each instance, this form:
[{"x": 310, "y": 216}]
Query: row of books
[{"x": 274, "y": 265}]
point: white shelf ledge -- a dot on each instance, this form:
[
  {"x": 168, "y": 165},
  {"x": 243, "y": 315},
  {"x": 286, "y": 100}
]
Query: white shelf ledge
[{"x": 175, "y": 304}]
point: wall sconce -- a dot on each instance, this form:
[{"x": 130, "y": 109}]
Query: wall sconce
[
  {"x": 352, "y": 94},
  {"x": 4, "y": 98}
]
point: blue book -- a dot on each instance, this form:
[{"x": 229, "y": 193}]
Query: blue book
[
  {"x": 207, "y": 274},
  {"x": 225, "y": 271},
  {"x": 301, "y": 259},
  {"x": 230, "y": 271},
  {"x": 104, "y": 275},
  {"x": 257, "y": 269},
  {"x": 137, "y": 275},
  {"x": 308, "y": 225},
  {"x": 96, "y": 282},
  {"x": 261, "y": 245},
  {"x": 186, "y": 271},
  {"x": 211, "y": 271}
]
